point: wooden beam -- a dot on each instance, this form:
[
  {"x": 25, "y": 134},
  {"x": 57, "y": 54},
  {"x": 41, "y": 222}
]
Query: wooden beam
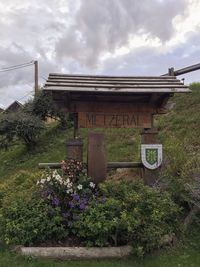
[
  {"x": 147, "y": 90},
  {"x": 115, "y": 86}
]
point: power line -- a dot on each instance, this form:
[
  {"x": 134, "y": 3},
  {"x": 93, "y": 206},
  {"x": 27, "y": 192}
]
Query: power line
[
  {"x": 15, "y": 68},
  {"x": 31, "y": 92},
  {"x": 19, "y": 65},
  {"x": 43, "y": 78}
]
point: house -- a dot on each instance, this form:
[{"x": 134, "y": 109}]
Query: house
[{"x": 15, "y": 106}]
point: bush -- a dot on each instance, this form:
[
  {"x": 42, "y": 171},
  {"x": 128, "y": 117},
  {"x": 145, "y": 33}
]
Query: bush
[
  {"x": 24, "y": 217},
  {"x": 131, "y": 213},
  {"x": 71, "y": 206},
  {"x": 20, "y": 126},
  {"x": 29, "y": 220},
  {"x": 43, "y": 106}
]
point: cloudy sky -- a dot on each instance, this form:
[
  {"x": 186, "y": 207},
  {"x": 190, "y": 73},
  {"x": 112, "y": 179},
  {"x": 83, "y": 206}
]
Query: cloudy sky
[{"x": 118, "y": 37}]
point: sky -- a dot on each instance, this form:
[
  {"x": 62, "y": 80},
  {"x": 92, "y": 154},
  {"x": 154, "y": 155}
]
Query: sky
[{"x": 110, "y": 37}]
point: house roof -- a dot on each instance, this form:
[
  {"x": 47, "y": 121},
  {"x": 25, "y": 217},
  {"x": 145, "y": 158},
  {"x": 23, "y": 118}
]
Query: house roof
[
  {"x": 13, "y": 106},
  {"x": 114, "y": 84}
]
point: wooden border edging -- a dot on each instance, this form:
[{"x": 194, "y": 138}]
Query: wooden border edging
[
  {"x": 110, "y": 165},
  {"x": 76, "y": 253}
]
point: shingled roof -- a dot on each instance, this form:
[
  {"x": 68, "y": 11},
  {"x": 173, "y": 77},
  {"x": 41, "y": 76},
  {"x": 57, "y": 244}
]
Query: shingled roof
[{"x": 114, "y": 84}]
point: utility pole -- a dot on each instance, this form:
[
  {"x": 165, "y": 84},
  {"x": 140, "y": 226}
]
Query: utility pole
[{"x": 36, "y": 77}]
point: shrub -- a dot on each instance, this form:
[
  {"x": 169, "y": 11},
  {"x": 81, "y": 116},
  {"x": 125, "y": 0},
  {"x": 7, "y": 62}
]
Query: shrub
[
  {"x": 131, "y": 213},
  {"x": 43, "y": 106},
  {"x": 71, "y": 206},
  {"x": 29, "y": 220},
  {"x": 24, "y": 217},
  {"x": 20, "y": 126}
]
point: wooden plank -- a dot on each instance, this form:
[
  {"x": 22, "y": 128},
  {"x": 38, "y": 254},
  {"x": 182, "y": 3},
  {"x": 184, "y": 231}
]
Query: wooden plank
[
  {"x": 66, "y": 80},
  {"x": 116, "y": 86},
  {"x": 120, "y": 90},
  {"x": 98, "y": 107},
  {"x": 77, "y": 97},
  {"x": 110, "y": 165},
  {"x": 114, "y": 120},
  {"x": 96, "y": 159},
  {"x": 109, "y": 76},
  {"x": 115, "y": 165}
]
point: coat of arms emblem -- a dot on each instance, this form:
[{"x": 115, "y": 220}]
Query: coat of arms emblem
[{"x": 151, "y": 155}]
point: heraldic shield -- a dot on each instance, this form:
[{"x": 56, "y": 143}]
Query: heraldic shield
[{"x": 151, "y": 155}]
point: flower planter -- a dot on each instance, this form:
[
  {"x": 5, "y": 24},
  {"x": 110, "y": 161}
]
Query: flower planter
[{"x": 76, "y": 253}]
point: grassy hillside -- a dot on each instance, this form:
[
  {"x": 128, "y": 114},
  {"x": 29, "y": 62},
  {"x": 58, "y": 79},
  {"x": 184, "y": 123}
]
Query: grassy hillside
[{"x": 179, "y": 130}]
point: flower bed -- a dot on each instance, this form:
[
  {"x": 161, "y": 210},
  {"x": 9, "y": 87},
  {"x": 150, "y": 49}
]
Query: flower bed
[{"x": 68, "y": 208}]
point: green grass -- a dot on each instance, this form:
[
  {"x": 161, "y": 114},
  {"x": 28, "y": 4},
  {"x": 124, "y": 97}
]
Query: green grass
[
  {"x": 181, "y": 126},
  {"x": 52, "y": 148},
  {"x": 184, "y": 255}
]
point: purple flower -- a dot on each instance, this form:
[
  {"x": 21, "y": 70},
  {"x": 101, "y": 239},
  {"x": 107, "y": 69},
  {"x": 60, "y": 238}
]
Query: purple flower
[
  {"x": 56, "y": 201},
  {"x": 82, "y": 206},
  {"x": 76, "y": 197},
  {"x": 71, "y": 205},
  {"x": 84, "y": 200},
  {"x": 66, "y": 214},
  {"x": 96, "y": 193}
]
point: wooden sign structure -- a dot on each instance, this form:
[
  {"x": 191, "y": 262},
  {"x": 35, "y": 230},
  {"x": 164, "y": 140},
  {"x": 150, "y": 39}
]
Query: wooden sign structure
[{"x": 112, "y": 102}]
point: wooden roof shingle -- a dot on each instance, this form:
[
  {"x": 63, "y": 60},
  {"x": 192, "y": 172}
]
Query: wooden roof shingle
[{"x": 114, "y": 84}]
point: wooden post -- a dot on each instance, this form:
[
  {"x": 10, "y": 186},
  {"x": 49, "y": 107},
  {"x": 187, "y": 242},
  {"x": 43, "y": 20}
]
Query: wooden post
[
  {"x": 75, "y": 149},
  {"x": 36, "y": 77},
  {"x": 171, "y": 72},
  {"x": 96, "y": 157},
  {"x": 75, "y": 118},
  {"x": 149, "y": 136}
]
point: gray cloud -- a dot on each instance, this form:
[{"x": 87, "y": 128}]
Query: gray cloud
[
  {"x": 148, "y": 61},
  {"x": 104, "y": 25},
  {"x": 73, "y": 35}
]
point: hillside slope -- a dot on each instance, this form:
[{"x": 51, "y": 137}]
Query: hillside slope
[{"x": 179, "y": 131}]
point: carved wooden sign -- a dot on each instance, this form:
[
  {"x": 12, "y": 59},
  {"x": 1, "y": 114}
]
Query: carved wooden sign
[{"x": 114, "y": 120}]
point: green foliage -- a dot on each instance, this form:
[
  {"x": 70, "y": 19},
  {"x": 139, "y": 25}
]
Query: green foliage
[
  {"x": 28, "y": 220},
  {"x": 131, "y": 213},
  {"x": 20, "y": 126},
  {"x": 43, "y": 106},
  {"x": 24, "y": 217}
]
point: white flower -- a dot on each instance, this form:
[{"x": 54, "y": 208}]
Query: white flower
[
  {"x": 42, "y": 181},
  {"x": 69, "y": 191},
  {"x": 69, "y": 185},
  {"x": 92, "y": 185},
  {"x": 80, "y": 187},
  {"x": 54, "y": 173},
  {"x": 48, "y": 178},
  {"x": 58, "y": 177},
  {"x": 38, "y": 182}
]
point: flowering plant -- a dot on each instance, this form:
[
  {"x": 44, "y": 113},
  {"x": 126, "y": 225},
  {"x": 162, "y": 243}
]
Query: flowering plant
[
  {"x": 74, "y": 169},
  {"x": 70, "y": 191}
]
